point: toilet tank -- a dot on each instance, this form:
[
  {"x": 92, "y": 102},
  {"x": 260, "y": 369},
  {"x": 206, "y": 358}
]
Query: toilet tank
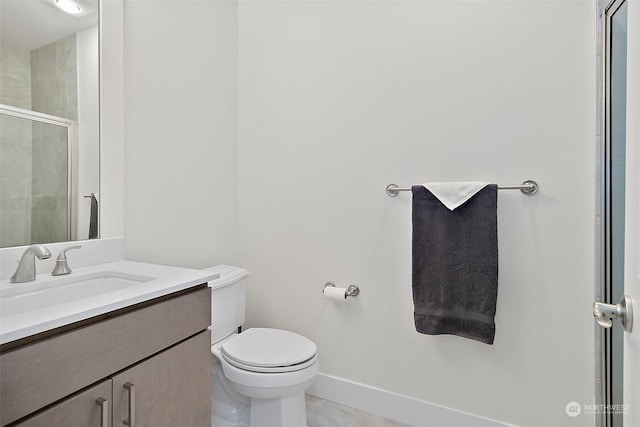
[{"x": 228, "y": 300}]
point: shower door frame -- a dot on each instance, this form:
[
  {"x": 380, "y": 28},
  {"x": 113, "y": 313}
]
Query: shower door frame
[
  {"x": 604, "y": 341},
  {"x": 72, "y": 158}
]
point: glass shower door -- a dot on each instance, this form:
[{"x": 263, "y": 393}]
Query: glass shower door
[{"x": 37, "y": 170}]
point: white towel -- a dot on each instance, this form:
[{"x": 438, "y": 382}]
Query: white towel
[{"x": 454, "y": 194}]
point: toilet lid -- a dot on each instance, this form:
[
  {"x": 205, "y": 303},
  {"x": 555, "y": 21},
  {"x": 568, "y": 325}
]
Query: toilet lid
[{"x": 264, "y": 349}]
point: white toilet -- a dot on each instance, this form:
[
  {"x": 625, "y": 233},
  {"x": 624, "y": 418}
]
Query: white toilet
[{"x": 259, "y": 375}]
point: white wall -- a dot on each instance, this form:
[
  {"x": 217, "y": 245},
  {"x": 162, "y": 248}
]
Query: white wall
[
  {"x": 180, "y": 131},
  {"x": 112, "y": 172},
  {"x": 339, "y": 99}
]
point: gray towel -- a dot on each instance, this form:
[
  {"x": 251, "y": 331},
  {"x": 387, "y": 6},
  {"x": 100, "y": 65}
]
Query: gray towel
[
  {"x": 93, "y": 218},
  {"x": 455, "y": 265}
]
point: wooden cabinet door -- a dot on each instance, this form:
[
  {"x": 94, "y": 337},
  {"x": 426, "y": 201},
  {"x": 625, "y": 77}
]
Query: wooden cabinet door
[
  {"x": 80, "y": 410},
  {"x": 172, "y": 388}
]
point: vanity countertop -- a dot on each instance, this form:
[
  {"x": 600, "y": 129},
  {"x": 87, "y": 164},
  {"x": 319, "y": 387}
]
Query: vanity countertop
[{"x": 53, "y": 301}]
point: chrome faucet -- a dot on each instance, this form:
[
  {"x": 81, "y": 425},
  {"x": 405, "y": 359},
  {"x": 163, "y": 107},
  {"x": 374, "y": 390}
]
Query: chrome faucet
[
  {"x": 62, "y": 267},
  {"x": 26, "y": 271}
]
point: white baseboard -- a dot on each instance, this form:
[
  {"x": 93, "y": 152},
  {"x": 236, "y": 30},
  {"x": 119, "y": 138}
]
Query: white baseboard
[{"x": 394, "y": 406}]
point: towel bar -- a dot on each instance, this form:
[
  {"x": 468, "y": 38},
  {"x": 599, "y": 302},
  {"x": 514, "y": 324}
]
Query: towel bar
[{"x": 529, "y": 187}]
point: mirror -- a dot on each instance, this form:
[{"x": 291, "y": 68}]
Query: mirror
[{"x": 49, "y": 121}]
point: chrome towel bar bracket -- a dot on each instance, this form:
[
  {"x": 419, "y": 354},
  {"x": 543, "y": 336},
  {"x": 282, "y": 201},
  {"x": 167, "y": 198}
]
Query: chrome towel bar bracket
[{"x": 529, "y": 187}]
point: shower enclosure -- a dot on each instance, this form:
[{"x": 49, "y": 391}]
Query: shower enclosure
[{"x": 38, "y": 170}]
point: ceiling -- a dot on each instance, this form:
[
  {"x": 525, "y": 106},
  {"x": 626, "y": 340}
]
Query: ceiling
[{"x": 31, "y": 24}]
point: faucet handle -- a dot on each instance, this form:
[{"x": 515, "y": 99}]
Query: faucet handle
[
  {"x": 63, "y": 253},
  {"x": 62, "y": 267}
]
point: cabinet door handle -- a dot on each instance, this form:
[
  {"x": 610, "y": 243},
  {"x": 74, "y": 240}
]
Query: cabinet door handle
[
  {"x": 104, "y": 411},
  {"x": 131, "y": 421}
]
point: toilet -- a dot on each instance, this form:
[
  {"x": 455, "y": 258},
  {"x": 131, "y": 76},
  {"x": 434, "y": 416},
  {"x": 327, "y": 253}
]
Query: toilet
[{"x": 259, "y": 375}]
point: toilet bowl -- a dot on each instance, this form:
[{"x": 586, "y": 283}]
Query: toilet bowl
[{"x": 259, "y": 375}]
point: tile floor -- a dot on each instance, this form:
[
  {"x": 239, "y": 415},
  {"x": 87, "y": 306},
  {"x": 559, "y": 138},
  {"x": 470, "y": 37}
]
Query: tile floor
[{"x": 323, "y": 413}]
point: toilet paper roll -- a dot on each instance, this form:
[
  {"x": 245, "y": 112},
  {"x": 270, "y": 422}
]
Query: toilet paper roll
[{"x": 336, "y": 294}]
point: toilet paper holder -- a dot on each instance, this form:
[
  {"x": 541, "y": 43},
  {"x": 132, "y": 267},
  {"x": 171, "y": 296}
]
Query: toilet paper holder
[{"x": 351, "y": 291}]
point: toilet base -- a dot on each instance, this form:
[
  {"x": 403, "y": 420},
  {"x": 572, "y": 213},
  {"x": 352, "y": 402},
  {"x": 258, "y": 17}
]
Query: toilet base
[
  {"x": 287, "y": 411},
  {"x": 227, "y": 411}
]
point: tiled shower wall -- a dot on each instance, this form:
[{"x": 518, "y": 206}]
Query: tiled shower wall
[
  {"x": 54, "y": 91},
  {"x": 33, "y": 168},
  {"x": 15, "y": 148}
]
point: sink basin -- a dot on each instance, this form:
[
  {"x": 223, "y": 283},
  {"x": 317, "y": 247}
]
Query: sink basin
[
  {"x": 26, "y": 297},
  {"x": 50, "y": 302}
]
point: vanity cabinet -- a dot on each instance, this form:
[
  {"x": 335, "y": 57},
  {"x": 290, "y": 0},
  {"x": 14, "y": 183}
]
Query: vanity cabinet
[
  {"x": 82, "y": 409},
  {"x": 166, "y": 390},
  {"x": 150, "y": 362}
]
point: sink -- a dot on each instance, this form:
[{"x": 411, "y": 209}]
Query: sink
[
  {"x": 54, "y": 291},
  {"x": 50, "y": 301}
]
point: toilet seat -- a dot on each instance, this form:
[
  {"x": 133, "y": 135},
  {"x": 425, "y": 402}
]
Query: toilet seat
[
  {"x": 274, "y": 369},
  {"x": 269, "y": 350},
  {"x": 274, "y": 385}
]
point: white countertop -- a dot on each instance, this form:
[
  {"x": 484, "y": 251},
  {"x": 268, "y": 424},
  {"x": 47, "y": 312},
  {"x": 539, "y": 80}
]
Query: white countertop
[{"x": 164, "y": 280}]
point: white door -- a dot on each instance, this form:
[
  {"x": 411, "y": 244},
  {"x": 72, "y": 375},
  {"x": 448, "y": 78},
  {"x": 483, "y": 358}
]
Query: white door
[{"x": 632, "y": 217}]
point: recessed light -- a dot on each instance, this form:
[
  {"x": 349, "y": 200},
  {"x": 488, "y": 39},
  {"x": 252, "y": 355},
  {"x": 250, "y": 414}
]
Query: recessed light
[{"x": 69, "y": 6}]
